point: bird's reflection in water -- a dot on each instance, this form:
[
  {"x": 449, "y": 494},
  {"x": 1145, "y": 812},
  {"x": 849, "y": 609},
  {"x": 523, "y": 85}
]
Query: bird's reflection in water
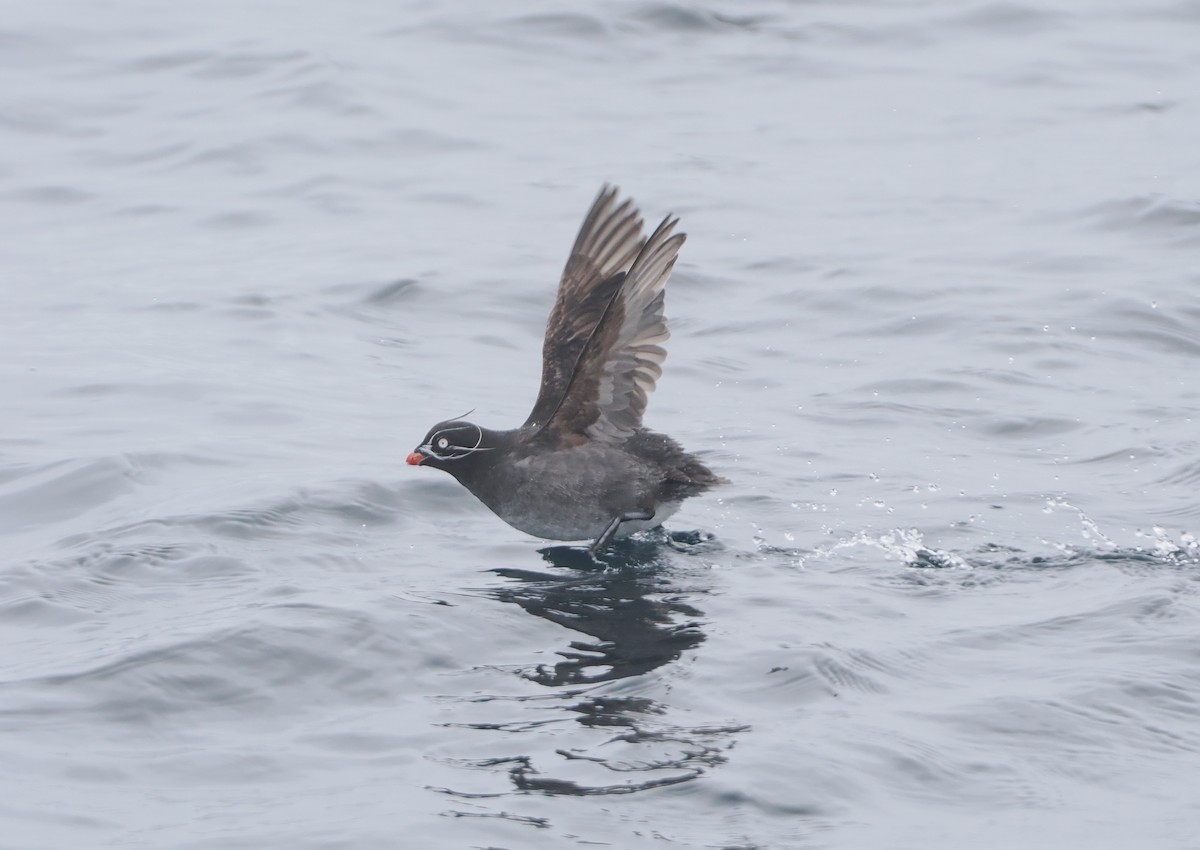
[
  {"x": 635, "y": 618},
  {"x": 629, "y": 616}
]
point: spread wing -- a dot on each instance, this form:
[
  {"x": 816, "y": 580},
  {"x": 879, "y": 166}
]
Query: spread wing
[
  {"x": 608, "y": 241},
  {"x": 617, "y": 356}
]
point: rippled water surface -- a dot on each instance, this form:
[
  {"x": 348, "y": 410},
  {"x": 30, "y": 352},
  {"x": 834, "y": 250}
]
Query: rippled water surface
[{"x": 937, "y": 318}]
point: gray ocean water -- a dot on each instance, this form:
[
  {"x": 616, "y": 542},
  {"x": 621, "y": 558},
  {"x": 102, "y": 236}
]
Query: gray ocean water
[{"x": 937, "y": 318}]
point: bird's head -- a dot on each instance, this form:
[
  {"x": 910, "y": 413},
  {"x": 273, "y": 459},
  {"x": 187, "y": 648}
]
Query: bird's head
[{"x": 452, "y": 445}]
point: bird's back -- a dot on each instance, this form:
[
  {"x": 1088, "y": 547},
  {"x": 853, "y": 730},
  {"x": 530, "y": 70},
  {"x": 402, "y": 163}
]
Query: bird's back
[{"x": 680, "y": 474}]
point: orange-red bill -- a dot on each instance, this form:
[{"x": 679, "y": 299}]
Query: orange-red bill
[{"x": 415, "y": 459}]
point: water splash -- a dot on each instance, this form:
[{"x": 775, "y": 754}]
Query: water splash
[
  {"x": 1090, "y": 530},
  {"x": 903, "y": 544},
  {"x": 1163, "y": 546},
  {"x": 1185, "y": 550}
]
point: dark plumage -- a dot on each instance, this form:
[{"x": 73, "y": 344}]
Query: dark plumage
[{"x": 582, "y": 466}]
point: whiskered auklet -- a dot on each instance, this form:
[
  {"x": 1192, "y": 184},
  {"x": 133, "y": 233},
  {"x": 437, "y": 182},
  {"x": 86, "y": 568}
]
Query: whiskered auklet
[{"x": 582, "y": 466}]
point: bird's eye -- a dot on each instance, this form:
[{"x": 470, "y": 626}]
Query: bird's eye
[{"x": 443, "y": 443}]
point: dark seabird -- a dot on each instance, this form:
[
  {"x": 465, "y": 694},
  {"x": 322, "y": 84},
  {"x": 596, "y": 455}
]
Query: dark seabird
[{"x": 582, "y": 467}]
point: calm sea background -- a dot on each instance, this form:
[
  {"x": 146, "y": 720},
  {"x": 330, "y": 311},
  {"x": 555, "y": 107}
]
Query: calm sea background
[{"x": 937, "y": 318}]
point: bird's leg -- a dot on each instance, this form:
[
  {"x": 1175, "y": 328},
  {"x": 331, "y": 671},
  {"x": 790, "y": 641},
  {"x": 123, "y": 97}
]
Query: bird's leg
[{"x": 606, "y": 536}]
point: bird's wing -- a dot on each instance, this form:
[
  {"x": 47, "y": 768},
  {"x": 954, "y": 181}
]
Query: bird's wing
[
  {"x": 603, "y": 351},
  {"x": 608, "y": 241}
]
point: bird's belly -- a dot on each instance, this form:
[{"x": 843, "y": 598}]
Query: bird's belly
[
  {"x": 568, "y": 522},
  {"x": 559, "y": 526},
  {"x": 566, "y": 497}
]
